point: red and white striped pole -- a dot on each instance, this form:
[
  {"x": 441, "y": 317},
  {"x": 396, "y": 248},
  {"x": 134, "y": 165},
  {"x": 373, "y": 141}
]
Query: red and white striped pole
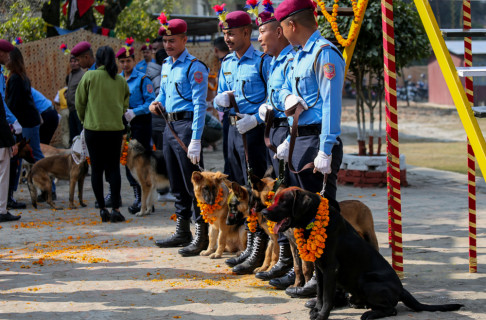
[
  {"x": 471, "y": 159},
  {"x": 393, "y": 154}
]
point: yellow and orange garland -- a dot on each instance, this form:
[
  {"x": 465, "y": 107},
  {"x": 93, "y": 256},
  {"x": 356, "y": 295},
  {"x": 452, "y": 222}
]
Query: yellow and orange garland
[
  {"x": 207, "y": 210},
  {"x": 210, "y": 86},
  {"x": 268, "y": 203},
  {"x": 332, "y": 19},
  {"x": 312, "y": 248},
  {"x": 123, "y": 157},
  {"x": 252, "y": 221}
]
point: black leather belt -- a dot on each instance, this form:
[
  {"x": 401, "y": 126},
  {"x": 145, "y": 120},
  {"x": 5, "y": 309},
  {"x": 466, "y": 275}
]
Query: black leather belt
[
  {"x": 51, "y": 108},
  {"x": 280, "y": 122},
  {"x": 309, "y": 130},
  {"x": 182, "y": 115}
]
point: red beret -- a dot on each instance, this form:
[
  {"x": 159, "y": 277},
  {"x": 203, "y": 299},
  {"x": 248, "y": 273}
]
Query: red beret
[
  {"x": 236, "y": 19},
  {"x": 144, "y": 47},
  {"x": 176, "y": 26},
  {"x": 291, "y": 7},
  {"x": 122, "y": 53},
  {"x": 265, "y": 17},
  {"x": 6, "y": 46},
  {"x": 80, "y": 48}
]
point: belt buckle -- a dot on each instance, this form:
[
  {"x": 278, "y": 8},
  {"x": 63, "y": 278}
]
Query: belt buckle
[{"x": 170, "y": 117}]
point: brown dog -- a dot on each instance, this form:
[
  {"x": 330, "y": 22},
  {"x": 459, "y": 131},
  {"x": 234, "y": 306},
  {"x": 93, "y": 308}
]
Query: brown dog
[
  {"x": 148, "y": 168},
  {"x": 61, "y": 167},
  {"x": 222, "y": 236},
  {"x": 25, "y": 151}
]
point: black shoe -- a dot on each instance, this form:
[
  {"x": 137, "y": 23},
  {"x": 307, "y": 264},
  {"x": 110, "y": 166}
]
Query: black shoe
[
  {"x": 245, "y": 254},
  {"x": 43, "y": 197},
  {"x": 137, "y": 203},
  {"x": 311, "y": 304},
  {"x": 284, "y": 282},
  {"x": 256, "y": 257},
  {"x": 309, "y": 290},
  {"x": 14, "y": 205},
  {"x": 199, "y": 243},
  {"x": 283, "y": 265},
  {"x": 182, "y": 236},
  {"x": 105, "y": 215},
  {"x": 8, "y": 217},
  {"x": 108, "y": 202},
  {"x": 116, "y": 216}
]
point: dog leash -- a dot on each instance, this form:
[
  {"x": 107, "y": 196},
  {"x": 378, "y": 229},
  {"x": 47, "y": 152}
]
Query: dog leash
[
  {"x": 324, "y": 182},
  {"x": 295, "y": 113},
  {"x": 161, "y": 112}
]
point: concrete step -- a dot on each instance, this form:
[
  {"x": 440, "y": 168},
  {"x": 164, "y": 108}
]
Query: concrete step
[
  {"x": 471, "y": 71},
  {"x": 449, "y": 33}
]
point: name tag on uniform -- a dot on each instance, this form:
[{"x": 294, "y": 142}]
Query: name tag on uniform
[
  {"x": 227, "y": 73},
  {"x": 164, "y": 76}
]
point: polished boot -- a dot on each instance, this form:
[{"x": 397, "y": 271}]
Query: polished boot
[
  {"x": 309, "y": 290},
  {"x": 245, "y": 254},
  {"x": 256, "y": 257},
  {"x": 311, "y": 304},
  {"x": 284, "y": 282},
  {"x": 4, "y": 217},
  {"x": 108, "y": 202},
  {"x": 283, "y": 265},
  {"x": 116, "y": 216},
  {"x": 137, "y": 203},
  {"x": 199, "y": 243},
  {"x": 12, "y": 204},
  {"x": 182, "y": 236},
  {"x": 105, "y": 215}
]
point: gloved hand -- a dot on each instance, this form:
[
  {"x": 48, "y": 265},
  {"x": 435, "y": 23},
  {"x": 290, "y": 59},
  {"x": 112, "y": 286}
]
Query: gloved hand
[
  {"x": 17, "y": 127},
  {"x": 322, "y": 163},
  {"x": 283, "y": 151},
  {"x": 246, "y": 123},
  {"x": 129, "y": 115},
  {"x": 262, "y": 111},
  {"x": 194, "y": 151},
  {"x": 222, "y": 99},
  {"x": 291, "y": 100}
]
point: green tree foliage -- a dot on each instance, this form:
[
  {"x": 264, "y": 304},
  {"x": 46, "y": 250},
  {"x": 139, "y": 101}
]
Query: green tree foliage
[
  {"x": 136, "y": 21},
  {"x": 20, "y": 21}
]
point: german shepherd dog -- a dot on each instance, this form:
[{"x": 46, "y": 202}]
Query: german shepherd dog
[
  {"x": 148, "y": 168},
  {"x": 348, "y": 262},
  {"x": 61, "y": 167},
  {"x": 222, "y": 237}
]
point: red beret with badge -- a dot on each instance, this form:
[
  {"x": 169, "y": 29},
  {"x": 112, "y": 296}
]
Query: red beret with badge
[
  {"x": 290, "y": 7},
  {"x": 127, "y": 50},
  {"x": 171, "y": 27},
  {"x": 235, "y": 19},
  {"x": 147, "y": 45},
  {"x": 261, "y": 18},
  {"x": 80, "y": 48},
  {"x": 6, "y": 46}
]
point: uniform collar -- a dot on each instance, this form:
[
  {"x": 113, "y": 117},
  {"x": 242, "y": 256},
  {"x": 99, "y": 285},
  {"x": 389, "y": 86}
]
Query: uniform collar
[
  {"x": 283, "y": 54},
  {"x": 248, "y": 54},
  {"x": 133, "y": 75},
  {"x": 181, "y": 58},
  {"x": 312, "y": 40}
]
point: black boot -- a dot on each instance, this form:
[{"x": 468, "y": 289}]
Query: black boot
[
  {"x": 108, "y": 202},
  {"x": 43, "y": 197},
  {"x": 116, "y": 216},
  {"x": 182, "y": 236},
  {"x": 284, "y": 282},
  {"x": 137, "y": 203},
  {"x": 105, "y": 215},
  {"x": 283, "y": 265},
  {"x": 199, "y": 243},
  {"x": 245, "y": 254},
  {"x": 256, "y": 257},
  {"x": 311, "y": 304},
  {"x": 309, "y": 290},
  {"x": 12, "y": 204}
]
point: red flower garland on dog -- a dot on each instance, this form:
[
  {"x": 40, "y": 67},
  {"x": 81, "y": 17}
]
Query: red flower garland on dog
[
  {"x": 268, "y": 203},
  {"x": 207, "y": 210},
  {"x": 252, "y": 221}
]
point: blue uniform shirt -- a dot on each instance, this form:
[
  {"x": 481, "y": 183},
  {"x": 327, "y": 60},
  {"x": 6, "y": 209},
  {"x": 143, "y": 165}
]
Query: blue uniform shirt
[
  {"x": 141, "y": 92},
  {"x": 142, "y": 66},
  {"x": 280, "y": 68},
  {"x": 10, "y": 117},
  {"x": 243, "y": 77},
  {"x": 325, "y": 83},
  {"x": 192, "y": 84},
  {"x": 41, "y": 102},
  {"x": 93, "y": 67}
]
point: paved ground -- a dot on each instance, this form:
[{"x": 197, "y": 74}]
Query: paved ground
[{"x": 66, "y": 264}]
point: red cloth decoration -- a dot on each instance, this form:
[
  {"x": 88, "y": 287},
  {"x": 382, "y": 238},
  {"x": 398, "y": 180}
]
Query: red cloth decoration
[
  {"x": 83, "y": 6},
  {"x": 105, "y": 32},
  {"x": 100, "y": 9},
  {"x": 64, "y": 7}
]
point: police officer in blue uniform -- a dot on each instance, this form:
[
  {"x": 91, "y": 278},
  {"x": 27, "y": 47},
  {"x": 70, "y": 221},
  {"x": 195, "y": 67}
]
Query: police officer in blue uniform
[
  {"x": 183, "y": 91},
  {"x": 147, "y": 58},
  {"x": 83, "y": 52},
  {"x": 316, "y": 83},
  {"x": 138, "y": 116}
]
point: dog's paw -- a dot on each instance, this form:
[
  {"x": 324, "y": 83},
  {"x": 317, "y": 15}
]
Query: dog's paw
[
  {"x": 205, "y": 253},
  {"x": 82, "y": 204},
  {"x": 141, "y": 213},
  {"x": 314, "y": 313},
  {"x": 215, "y": 256}
]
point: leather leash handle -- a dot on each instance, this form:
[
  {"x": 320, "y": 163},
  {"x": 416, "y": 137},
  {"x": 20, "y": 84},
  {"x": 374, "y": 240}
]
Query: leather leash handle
[
  {"x": 293, "y": 135},
  {"x": 171, "y": 128},
  {"x": 269, "y": 117}
]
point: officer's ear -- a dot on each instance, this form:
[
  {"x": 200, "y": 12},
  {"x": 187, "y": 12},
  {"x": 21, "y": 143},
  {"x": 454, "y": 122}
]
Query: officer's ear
[{"x": 279, "y": 32}]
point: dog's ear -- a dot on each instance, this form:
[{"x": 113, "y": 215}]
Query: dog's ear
[
  {"x": 302, "y": 202},
  {"x": 257, "y": 183},
  {"x": 239, "y": 191},
  {"x": 269, "y": 172},
  {"x": 220, "y": 176},
  {"x": 22, "y": 143},
  {"x": 197, "y": 177}
]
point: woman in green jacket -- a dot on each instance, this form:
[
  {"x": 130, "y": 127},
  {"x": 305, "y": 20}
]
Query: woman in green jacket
[{"x": 102, "y": 98}]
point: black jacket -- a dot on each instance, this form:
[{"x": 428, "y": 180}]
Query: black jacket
[
  {"x": 6, "y": 137},
  {"x": 19, "y": 100}
]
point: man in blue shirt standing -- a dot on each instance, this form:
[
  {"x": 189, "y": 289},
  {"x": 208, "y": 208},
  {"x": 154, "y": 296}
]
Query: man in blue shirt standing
[
  {"x": 83, "y": 52},
  {"x": 147, "y": 58},
  {"x": 138, "y": 116},
  {"x": 183, "y": 91}
]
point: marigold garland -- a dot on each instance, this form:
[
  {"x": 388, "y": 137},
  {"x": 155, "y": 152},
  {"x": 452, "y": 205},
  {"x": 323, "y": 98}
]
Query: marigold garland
[
  {"x": 252, "y": 221},
  {"x": 268, "y": 203},
  {"x": 173, "y": 217},
  {"x": 207, "y": 210},
  {"x": 88, "y": 160},
  {"x": 210, "y": 86},
  {"x": 312, "y": 248},
  {"x": 353, "y": 32},
  {"x": 123, "y": 157}
]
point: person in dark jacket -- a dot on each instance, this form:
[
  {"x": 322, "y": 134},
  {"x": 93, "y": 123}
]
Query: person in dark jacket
[{"x": 72, "y": 81}]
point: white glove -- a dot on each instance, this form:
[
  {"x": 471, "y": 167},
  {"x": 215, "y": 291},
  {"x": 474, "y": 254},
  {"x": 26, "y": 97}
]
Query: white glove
[
  {"x": 246, "y": 123},
  {"x": 194, "y": 151},
  {"x": 129, "y": 115},
  {"x": 222, "y": 99},
  {"x": 322, "y": 163},
  {"x": 283, "y": 151},
  {"x": 291, "y": 100},
  {"x": 59, "y": 117},
  {"x": 262, "y": 111},
  {"x": 17, "y": 127}
]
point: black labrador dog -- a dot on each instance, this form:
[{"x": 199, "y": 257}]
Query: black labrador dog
[{"x": 348, "y": 262}]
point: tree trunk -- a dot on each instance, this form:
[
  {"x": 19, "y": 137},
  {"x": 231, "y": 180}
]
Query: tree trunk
[
  {"x": 361, "y": 148},
  {"x": 378, "y": 151}
]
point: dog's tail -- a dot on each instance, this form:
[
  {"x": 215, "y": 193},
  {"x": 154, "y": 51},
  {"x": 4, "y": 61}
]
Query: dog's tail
[
  {"x": 407, "y": 298},
  {"x": 32, "y": 190}
]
